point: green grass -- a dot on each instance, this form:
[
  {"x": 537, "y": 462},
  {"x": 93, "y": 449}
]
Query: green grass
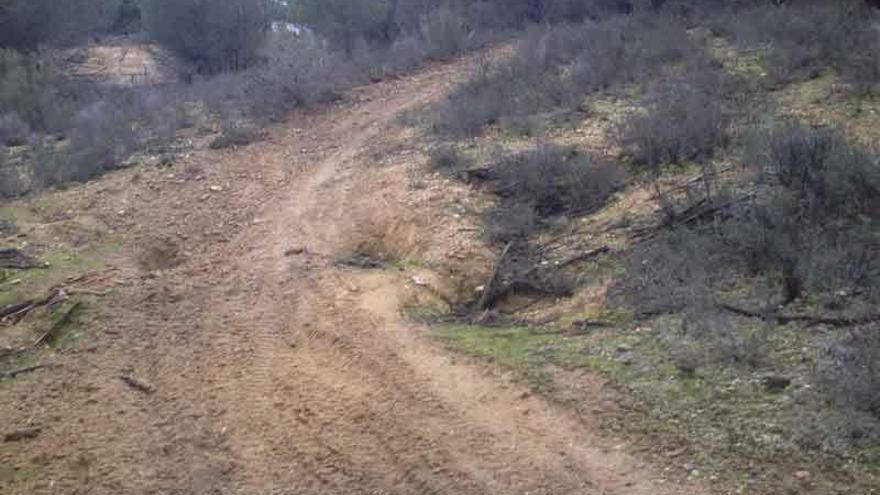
[
  {"x": 18, "y": 285},
  {"x": 735, "y": 432}
]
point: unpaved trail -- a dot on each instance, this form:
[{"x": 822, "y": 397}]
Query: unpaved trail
[{"x": 280, "y": 373}]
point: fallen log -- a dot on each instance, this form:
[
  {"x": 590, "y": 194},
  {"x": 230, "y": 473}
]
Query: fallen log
[
  {"x": 783, "y": 319},
  {"x": 14, "y": 313},
  {"x": 27, "y": 369},
  {"x": 15, "y": 308},
  {"x": 14, "y": 258}
]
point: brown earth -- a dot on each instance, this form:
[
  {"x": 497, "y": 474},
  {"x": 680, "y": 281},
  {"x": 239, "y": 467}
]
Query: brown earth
[{"x": 272, "y": 369}]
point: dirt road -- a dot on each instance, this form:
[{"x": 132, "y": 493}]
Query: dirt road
[{"x": 273, "y": 370}]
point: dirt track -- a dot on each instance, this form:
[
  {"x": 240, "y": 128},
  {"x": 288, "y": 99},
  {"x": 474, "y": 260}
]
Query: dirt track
[{"x": 284, "y": 374}]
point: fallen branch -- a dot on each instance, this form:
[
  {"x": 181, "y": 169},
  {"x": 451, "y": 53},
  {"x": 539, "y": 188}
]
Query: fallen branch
[
  {"x": 699, "y": 211},
  {"x": 136, "y": 384},
  {"x": 15, "y": 313},
  {"x": 488, "y": 295},
  {"x": 15, "y": 308},
  {"x": 526, "y": 286},
  {"x": 783, "y": 319},
  {"x": 584, "y": 256},
  {"x": 60, "y": 323},
  {"x": 686, "y": 184},
  {"x": 475, "y": 174},
  {"x": 13, "y": 258},
  {"x": 26, "y": 369}
]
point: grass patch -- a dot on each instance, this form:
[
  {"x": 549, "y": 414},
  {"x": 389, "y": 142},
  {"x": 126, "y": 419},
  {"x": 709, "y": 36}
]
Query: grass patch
[
  {"x": 516, "y": 348},
  {"x": 722, "y": 422},
  {"x": 16, "y": 285}
]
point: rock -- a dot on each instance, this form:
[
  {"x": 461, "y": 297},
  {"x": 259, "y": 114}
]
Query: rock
[
  {"x": 803, "y": 476},
  {"x": 627, "y": 358},
  {"x": 21, "y": 434},
  {"x": 294, "y": 251},
  {"x": 623, "y": 348}
]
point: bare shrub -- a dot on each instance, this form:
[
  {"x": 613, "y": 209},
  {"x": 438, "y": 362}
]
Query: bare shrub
[
  {"x": 707, "y": 337},
  {"x": 13, "y": 130},
  {"x": 846, "y": 374},
  {"x": 547, "y": 181},
  {"x": 686, "y": 120},
  {"x": 681, "y": 270},
  {"x": 233, "y": 133},
  {"x": 805, "y": 231},
  {"x": 76, "y": 129},
  {"x": 27, "y": 24},
  {"x": 99, "y": 138},
  {"x": 510, "y": 222},
  {"x": 12, "y": 183},
  {"x": 555, "y": 68},
  {"x": 445, "y": 33},
  {"x": 446, "y": 158},
  {"x": 556, "y": 180},
  {"x": 850, "y": 370},
  {"x": 34, "y": 88},
  {"x": 506, "y": 91},
  {"x": 215, "y": 35},
  {"x": 804, "y": 38},
  {"x": 812, "y": 218}
]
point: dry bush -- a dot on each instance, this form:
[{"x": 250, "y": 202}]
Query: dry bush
[
  {"x": 803, "y": 38},
  {"x": 13, "y": 130},
  {"x": 447, "y": 158},
  {"x": 75, "y": 128},
  {"x": 34, "y": 88},
  {"x": 806, "y": 229},
  {"x": 546, "y": 181},
  {"x": 554, "y": 68},
  {"x": 233, "y": 133},
  {"x": 813, "y": 216},
  {"x": 214, "y": 35},
  {"x": 850, "y": 369},
  {"x": 687, "y": 120}
]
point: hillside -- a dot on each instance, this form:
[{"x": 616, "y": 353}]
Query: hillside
[{"x": 625, "y": 253}]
